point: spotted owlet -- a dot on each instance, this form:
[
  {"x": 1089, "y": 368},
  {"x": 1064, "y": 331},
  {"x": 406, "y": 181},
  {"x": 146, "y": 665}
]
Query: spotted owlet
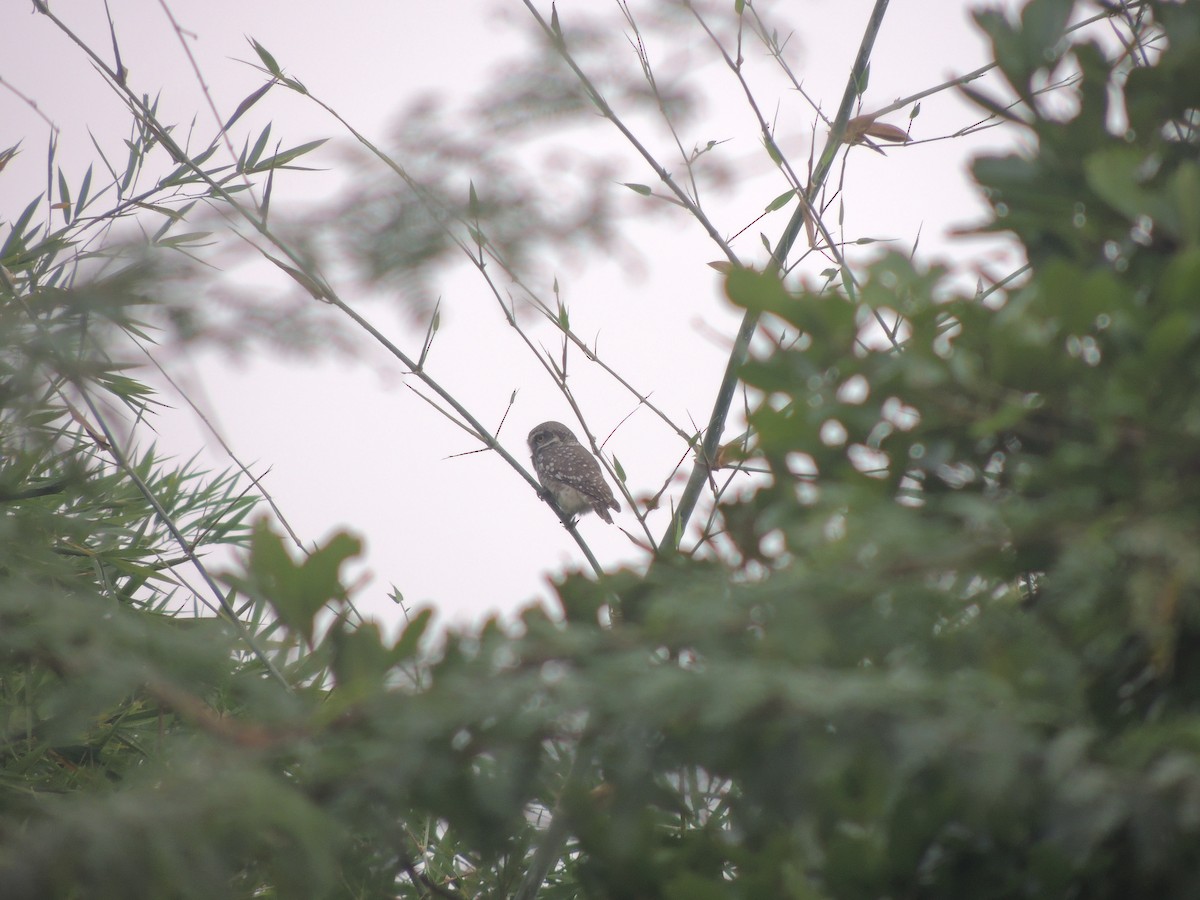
[{"x": 569, "y": 473}]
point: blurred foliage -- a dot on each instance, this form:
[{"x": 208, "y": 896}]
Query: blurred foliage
[{"x": 953, "y": 659}]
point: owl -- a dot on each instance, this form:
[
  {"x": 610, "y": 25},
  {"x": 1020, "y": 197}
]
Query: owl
[{"x": 569, "y": 473}]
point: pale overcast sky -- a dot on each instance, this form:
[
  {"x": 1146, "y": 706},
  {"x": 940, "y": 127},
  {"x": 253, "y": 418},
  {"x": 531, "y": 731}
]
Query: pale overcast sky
[{"x": 347, "y": 445}]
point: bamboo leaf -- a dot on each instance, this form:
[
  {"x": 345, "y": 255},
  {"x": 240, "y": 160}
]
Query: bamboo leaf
[
  {"x": 772, "y": 150},
  {"x": 16, "y": 236},
  {"x": 7, "y": 155},
  {"x": 281, "y": 159},
  {"x": 409, "y": 642},
  {"x": 781, "y": 201},
  {"x": 191, "y": 238},
  {"x": 259, "y": 146},
  {"x": 301, "y": 278},
  {"x": 861, "y": 82},
  {"x": 81, "y": 203},
  {"x": 245, "y": 105},
  {"x": 131, "y": 166},
  {"x": 64, "y": 195},
  {"x": 267, "y": 59},
  {"x": 266, "y": 201}
]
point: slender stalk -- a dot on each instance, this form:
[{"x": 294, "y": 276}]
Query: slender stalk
[
  {"x": 669, "y": 542},
  {"x": 314, "y": 281},
  {"x": 1107, "y": 13},
  {"x": 549, "y": 848},
  {"x": 554, "y": 34}
]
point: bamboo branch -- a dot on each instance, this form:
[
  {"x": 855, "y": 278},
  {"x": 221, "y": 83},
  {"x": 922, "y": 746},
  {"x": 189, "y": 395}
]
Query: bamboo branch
[{"x": 741, "y": 348}]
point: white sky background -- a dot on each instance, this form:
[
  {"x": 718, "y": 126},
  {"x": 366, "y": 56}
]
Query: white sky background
[{"x": 347, "y": 445}]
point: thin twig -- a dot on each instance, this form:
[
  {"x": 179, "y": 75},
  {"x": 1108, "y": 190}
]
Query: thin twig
[
  {"x": 316, "y": 279},
  {"x": 716, "y": 423},
  {"x": 556, "y": 38},
  {"x": 212, "y": 429},
  {"x": 983, "y": 70}
]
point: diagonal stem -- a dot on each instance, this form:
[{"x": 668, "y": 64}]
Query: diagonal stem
[{"x": 716, "y": 422}]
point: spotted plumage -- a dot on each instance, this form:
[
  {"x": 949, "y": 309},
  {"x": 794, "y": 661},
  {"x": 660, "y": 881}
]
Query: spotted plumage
[{"x": 569, "y": 473}]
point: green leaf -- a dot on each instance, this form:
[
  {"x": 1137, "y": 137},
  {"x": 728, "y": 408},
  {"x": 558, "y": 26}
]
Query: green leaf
[
  {"x": 1043, "y": 23},
  {"x": 131, "y": 166},
  {"x": 267, "y": 59},
  {"x": 1010, "y": 49},
  {"x": 296, "y": 591},
  {"x": 772, "y": 150},
  {"x": 282, "y": 159},
  {"x": 191, "y": 238},
  {"x": 1185, "y": 190},
  {"x": 581, "y": 601},
  {"x": 642, "y": 189},
  {"x": 781, "y": 200},
  {"x": 1180, "y": 284},
  {"x": 360, "y": 659},
  {"x": 81, "y": 203},
  {"x": 64, "y": 194},
  {"x": 755, "y": 290},
  {"x": 256, "y": 152},
  {"x": 861, "y": 82},
  {"x": 1119, "y": 176},
  {"x": 187, "y": 172},
  {"x": 409, "y": 643},
  {"x": 248, "y": 102},
  {"x": 16, "y": 235}
]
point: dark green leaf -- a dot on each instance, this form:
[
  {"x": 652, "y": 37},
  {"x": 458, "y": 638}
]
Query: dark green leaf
[
  {"x": 247, "y": 103},
  {"x": 781, "y": 201},
  {"x": 409, "y": 643},
  {"x": 267, "y": 59},
  {"x": 282, "y": 159}
]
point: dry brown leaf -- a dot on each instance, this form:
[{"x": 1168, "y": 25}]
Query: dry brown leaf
[
  {"x": 733, "y": 453},
  {"x": 857, "y": 127},
  {"x": 862, "y": 127},
  {"x": 885, "y": 132}
]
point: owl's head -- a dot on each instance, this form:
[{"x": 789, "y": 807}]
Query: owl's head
[{"x": 548, "y": 434}]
